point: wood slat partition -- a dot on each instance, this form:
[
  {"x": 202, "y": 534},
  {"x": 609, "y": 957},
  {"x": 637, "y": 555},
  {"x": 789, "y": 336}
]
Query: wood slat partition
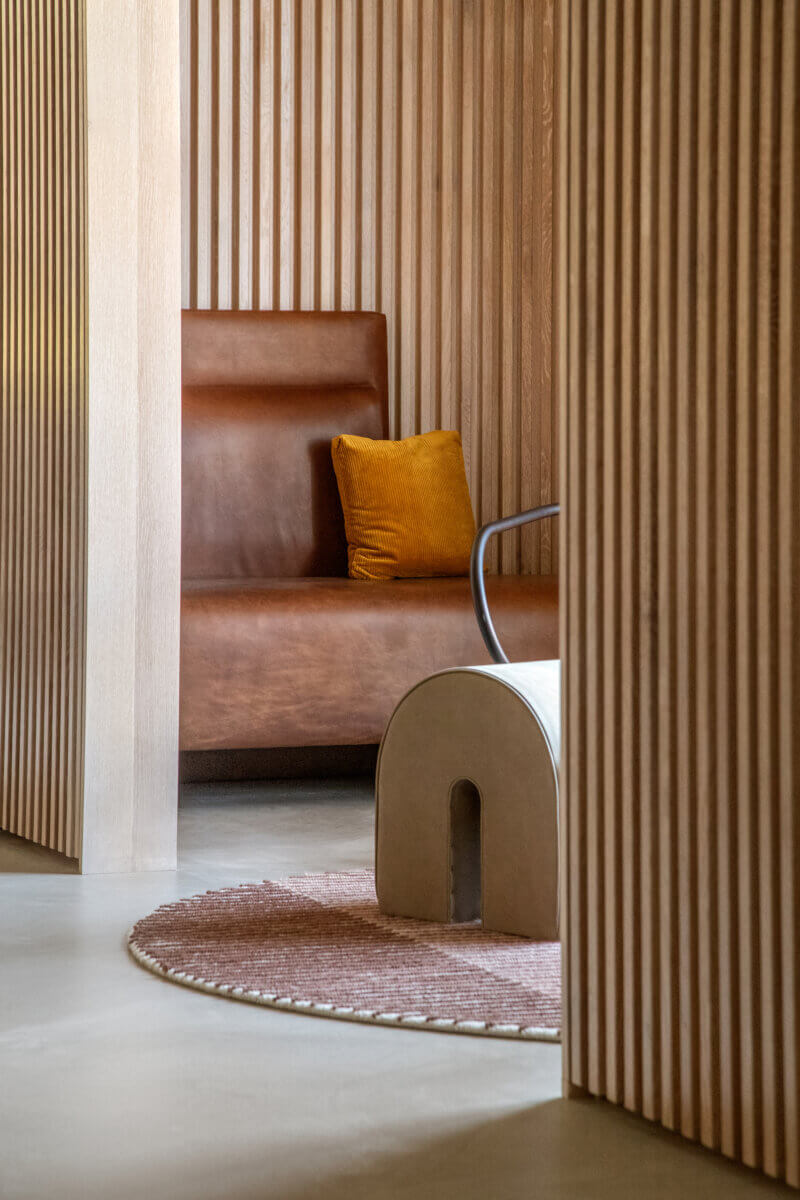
[
  {"x": 679, "y": 367},
  {"x": 42, "y": 420},
  {"x": 90, "y": 429},
  {"x": 396, "y": 155}
]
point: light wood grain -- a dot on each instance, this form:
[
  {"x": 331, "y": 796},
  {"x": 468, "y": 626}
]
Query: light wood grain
[
  {"x": 405, "y": 162},
  {"x": 678, "y": 293},
  {"x": 132, "y": 435}
]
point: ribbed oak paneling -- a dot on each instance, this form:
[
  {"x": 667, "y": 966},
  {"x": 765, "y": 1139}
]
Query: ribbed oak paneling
[
  {"x": 42, "y": 420},
  {"x": 393, "y": 155},
  {"x": 679, "y": 359}
]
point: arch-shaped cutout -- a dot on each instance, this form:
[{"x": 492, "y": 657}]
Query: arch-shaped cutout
[{"x": 465, "y": 851}]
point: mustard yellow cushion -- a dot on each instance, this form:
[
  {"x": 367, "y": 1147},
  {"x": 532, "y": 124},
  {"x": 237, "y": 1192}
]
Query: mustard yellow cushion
[{"x": 407, "y": 511}]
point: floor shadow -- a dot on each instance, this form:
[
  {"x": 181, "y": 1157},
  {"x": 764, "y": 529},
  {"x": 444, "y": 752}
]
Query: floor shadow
[
  {"x": 21, "y": 857},
  {"x": 556, "y": 1150}
]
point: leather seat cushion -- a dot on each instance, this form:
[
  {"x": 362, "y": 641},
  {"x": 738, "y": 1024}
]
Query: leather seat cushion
[{"x": 324, "y": 661}]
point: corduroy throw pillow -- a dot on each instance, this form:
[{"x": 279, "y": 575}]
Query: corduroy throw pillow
[{"x": 407, "y": 511}]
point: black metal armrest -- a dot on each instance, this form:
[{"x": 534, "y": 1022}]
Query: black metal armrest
[{"x": 476, "y": 578}]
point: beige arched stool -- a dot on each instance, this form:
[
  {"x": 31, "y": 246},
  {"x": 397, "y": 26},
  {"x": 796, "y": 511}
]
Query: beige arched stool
[{"x": 467, "y": 800}]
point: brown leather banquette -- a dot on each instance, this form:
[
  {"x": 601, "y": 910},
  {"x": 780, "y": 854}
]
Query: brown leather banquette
[{"x": 279, "y": 648}]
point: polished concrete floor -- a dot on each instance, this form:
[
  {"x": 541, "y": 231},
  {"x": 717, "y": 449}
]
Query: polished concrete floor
[{"x": 116, "y": 1085}]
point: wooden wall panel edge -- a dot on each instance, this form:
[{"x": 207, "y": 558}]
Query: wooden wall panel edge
[
  {"x": 561, "y": 352},
  {"x": 130, "y": 792}
]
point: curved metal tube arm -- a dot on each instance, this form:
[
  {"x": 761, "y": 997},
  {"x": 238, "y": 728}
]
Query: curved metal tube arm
[{"x": 476, "y": 578}]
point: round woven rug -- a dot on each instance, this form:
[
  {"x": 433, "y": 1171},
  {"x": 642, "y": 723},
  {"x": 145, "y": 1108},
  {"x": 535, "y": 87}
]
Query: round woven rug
[{"x": 317, "y": 944}]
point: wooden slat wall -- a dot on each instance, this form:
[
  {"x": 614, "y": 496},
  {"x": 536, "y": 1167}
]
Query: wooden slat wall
[
  {"x": 42, "y": 420},
  {"x": 679, "y": 358},
  {"x": 395, "y": 155}
]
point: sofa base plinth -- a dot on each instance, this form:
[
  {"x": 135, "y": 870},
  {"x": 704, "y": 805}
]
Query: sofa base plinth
[{"x": 297, "y": 762}]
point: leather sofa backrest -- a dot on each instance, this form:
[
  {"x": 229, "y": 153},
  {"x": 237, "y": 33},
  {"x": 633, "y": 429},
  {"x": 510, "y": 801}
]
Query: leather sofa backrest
[{"x": 263, "y": 394}]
